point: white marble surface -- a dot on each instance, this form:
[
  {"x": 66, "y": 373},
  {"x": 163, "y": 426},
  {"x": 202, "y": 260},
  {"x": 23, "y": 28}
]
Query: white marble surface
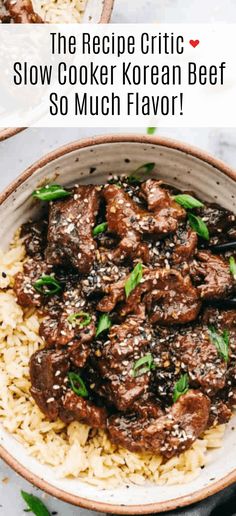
[{"x": 22, "y": 150}]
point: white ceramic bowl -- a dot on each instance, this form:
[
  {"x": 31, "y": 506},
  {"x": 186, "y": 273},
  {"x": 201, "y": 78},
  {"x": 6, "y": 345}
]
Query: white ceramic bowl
[{"x": 93, "y": 160}]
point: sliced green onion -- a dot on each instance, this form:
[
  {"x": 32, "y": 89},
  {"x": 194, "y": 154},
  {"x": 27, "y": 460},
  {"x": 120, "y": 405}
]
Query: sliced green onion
[
  {"x": 81, "y": 319},
  {"x": 151, "y": 130},
  {"x": 198, "y": 225},
  {"x": 101, "y": 228},
  {"x": 77, "y": 385},
  {"x": 137, "y": 175},
  {"x": 47, "y": 285},
  {"x": 134, "y": 279},
  {"x": 104, "y": 324},
  {"x": 181, "y": 387},
  {"x": 221, "y": 342},
  {"x": 36, "y": 506},
  {"x": 143, "y": 365},
  {"x": 232, "y": 266},
  {"x": 50, "y": 193},
  {"x": 188, "y": 202}
]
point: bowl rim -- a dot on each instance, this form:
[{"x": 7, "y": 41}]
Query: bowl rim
[
  {"x": 9, "y": 131},
  {"x": 156, "y": 507},
  {"x": 107, "y": 11}
]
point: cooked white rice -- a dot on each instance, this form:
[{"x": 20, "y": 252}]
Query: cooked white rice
[
  {"x": 60, "y": 11},
  {"x": 74, "y": 451}
]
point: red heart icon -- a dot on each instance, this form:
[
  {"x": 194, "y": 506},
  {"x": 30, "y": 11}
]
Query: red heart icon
[{"x": 194, "y": 42}]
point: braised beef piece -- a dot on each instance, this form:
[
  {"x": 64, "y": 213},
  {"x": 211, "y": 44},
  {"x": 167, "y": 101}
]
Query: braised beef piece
[
  {"x": 59, "y": 330},
  {"x": 185, "y": 245},
  {"x": 20, "y": 11},
  {"x": 71, "y": 223},
  {"x": 147, "y": 406},
  {"x": 49, "y": 378},
  {"x": 168, "y": 435},
  {"x": 220, "y": 413},
  {"x": 225, "y": 321},
  {"x": 126, "y": 343},
  {"x": 198, "y": 354},
  {"x": 221, "y": 223},
  {"x": 24, "y": 288},
  {"x": 35, "y": 237},
  {"x": 221, "y": 320},
  {"x": 129, "y": 221},
  {"x": 175, "y": 251},
  {"x": 212, "y": 276},
  {"x": 56, "y": 327},
  {"x": 160, "y": 201},
  {"x": 48, "y": 375},
  {"x": 169, "y": 297},
  {"x": 84, "y": 411},
  {"x": 104, "y": 273}
]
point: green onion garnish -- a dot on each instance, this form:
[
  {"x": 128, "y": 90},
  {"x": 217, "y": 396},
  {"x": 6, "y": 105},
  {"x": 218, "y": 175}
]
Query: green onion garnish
[
  {"x": 134, "y": 279},
  {"x": 104, "y": 323},
  {"x": 101, "y": 228},
  {"x": 137, "y": 176},
  {"x": 50, "y": 193},
  {"x": 77, "y": 385},
  {"x": 188, "y": 202},
  {"x": 199, "y": 226},
  {"x": 151, "y": 130},
  {"x": 35, "y": 505},
  {"x": 47, "y": 285},
  {"x": 221, "y": 342},
  {"x": 232, "y": 266},
  {"x": 181, "y": 387},
  {"x": 81, "y": 319},
  {"x": 143, "y": 365}
]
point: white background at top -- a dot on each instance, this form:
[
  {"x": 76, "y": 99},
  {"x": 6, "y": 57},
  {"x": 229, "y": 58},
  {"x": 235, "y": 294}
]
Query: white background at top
[{"x": 22, "y": 150}]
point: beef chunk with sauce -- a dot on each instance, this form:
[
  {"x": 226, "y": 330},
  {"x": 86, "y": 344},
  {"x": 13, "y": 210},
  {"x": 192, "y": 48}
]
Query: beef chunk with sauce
[
  {"x": 56, "y": 327},
  {"x": 71, "y": 222},
  {"x": 198, "y": 354},
  {"x": 169, "y": 297},
  {"x": 221, "y": 223},
  {"x": 26, "y": 294},
  {"x": 212, "y": 276},
  {"x": 126, "y": 343},
  {"x": 129, "y": 221},
  {"x": 169, "y": 434},
  {"x": 48, "y": 375},
  {"x": 77, "y": 334},
  {"x": 84, "y": 411}
]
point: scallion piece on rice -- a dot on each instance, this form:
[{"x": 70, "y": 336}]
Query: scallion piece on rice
[{"x": 77, "y": 385}]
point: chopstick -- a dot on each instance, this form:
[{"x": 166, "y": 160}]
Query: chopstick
[
  {"x": 222, "y": 248},
  {"x": 224, "y": 303}
]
